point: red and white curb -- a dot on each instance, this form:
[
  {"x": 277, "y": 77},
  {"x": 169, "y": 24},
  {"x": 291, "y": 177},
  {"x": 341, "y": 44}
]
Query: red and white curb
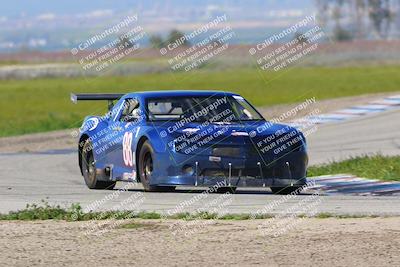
[
  {"x": 347, "y": 184},
  {"x": 372, "y": 107}
]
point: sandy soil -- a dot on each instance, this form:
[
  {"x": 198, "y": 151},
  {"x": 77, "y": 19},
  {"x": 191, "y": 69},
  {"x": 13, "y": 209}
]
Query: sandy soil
[
  {"x": 64, "y": 139},
  {"x": 312, "y": 242}
]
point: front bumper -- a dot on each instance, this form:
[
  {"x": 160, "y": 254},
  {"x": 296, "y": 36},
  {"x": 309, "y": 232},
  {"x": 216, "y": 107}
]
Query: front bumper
[
  {"x": 249, "y": 172},
  {"x": 232, "y": 182}
]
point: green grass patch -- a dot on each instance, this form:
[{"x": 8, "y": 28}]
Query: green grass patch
[
  {"x": 386, "y": 168},
  {"x": 44, "y": 211},
  {"x": 9, "y": 62},
  {"x": 36, "y": 212},
  {"x": 38, "y": 105},
  {"x": 327, "y": 215},
  {"x": 135, "y": 225}
]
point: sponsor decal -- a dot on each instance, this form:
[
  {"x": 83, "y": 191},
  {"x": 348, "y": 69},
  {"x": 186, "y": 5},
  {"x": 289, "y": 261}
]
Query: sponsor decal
[
  {"x": 234, "y": 133},
  {"x": 129, "y": 176},
  {"x": 238, "y": 97},
  {"x": 190, "y": 130},
  {"x": 127, "y": 149},
  {"x": 214, "y": 159},
  {"x": 90, "y": 124}
]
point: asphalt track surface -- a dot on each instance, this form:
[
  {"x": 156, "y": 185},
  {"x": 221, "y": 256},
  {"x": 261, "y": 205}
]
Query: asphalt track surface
[{"x": 55, "y": 177}]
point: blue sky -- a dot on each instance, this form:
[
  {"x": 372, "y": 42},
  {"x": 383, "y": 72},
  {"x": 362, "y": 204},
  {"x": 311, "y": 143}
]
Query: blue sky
[{"x": 36, "y": 7}]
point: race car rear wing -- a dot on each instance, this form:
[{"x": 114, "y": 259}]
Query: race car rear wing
[{"x": 109, "y": 97}]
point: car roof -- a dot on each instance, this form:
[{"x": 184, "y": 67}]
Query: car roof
[{"x": 172, "y": 93}]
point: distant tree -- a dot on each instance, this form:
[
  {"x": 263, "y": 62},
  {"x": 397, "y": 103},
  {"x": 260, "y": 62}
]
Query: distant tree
[
  {"x": 358, "y": 15},
  {"x": 175, "y": 35},
  {"x": 300, "y": 37},
  {"x": 381, "y": 17},
  {"x": 323, "y": 12},
  {"x": 337, "y": 13},
  {"x": 126, "y": 42},
  {"x": 340, "y": 34},
  {"x": 217, "y": 42},
  {"x": 156, "y": 41},
  {"x": 360, "y": 7}
]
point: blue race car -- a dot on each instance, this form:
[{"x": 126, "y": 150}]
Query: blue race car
[{"x": 188, "y": 138}]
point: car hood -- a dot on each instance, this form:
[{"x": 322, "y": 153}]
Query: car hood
[
  {"x": 229, "y": 133},
  {"x": 271, "y": 140}
]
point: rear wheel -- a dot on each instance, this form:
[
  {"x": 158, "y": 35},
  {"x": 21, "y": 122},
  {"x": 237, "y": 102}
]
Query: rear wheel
[
  {"x": 89, "y": 170},
  {"x": 146, "y": 168},
  {"x": 284, "y": 190}
]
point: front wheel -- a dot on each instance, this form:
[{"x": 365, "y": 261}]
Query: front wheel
[
  {"x": 146, "y": 168},
  {"x": 89, "y": 170}
]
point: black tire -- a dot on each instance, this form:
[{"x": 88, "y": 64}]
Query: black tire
[
  {"x": 145, "y": 166},
  {"x": 89, "y": 170},
  {"x": 284, "y": 190},
  {"x": 224, "y": 190}
]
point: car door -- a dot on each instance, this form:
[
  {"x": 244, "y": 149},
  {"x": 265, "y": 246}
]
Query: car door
[{"x": 125, "y": 127}]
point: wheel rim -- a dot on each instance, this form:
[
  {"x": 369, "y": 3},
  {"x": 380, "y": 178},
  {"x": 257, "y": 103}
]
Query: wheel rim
[
  {"x": 90, "y": 169},
  {"x": 147, "y": 166}
]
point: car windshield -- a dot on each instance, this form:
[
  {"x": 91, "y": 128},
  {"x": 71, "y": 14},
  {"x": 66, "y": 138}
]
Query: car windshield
[{"x": 200, "y": 109}]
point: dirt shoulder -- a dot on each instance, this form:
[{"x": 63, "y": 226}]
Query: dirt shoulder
[
  {"x": 312, "y": 242},
  {"x": 64, "y": 139},
  {"x": 39, "y": 142}
]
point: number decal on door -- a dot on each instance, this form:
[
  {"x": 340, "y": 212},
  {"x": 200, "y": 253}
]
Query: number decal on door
[{"x": 127, "y": 149}]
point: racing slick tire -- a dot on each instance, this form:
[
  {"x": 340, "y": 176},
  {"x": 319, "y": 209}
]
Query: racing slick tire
[
  {"x": 89, "y": 170},
  {"x": 145, "y": 164},
  {"x": 284, "y": 190}
]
